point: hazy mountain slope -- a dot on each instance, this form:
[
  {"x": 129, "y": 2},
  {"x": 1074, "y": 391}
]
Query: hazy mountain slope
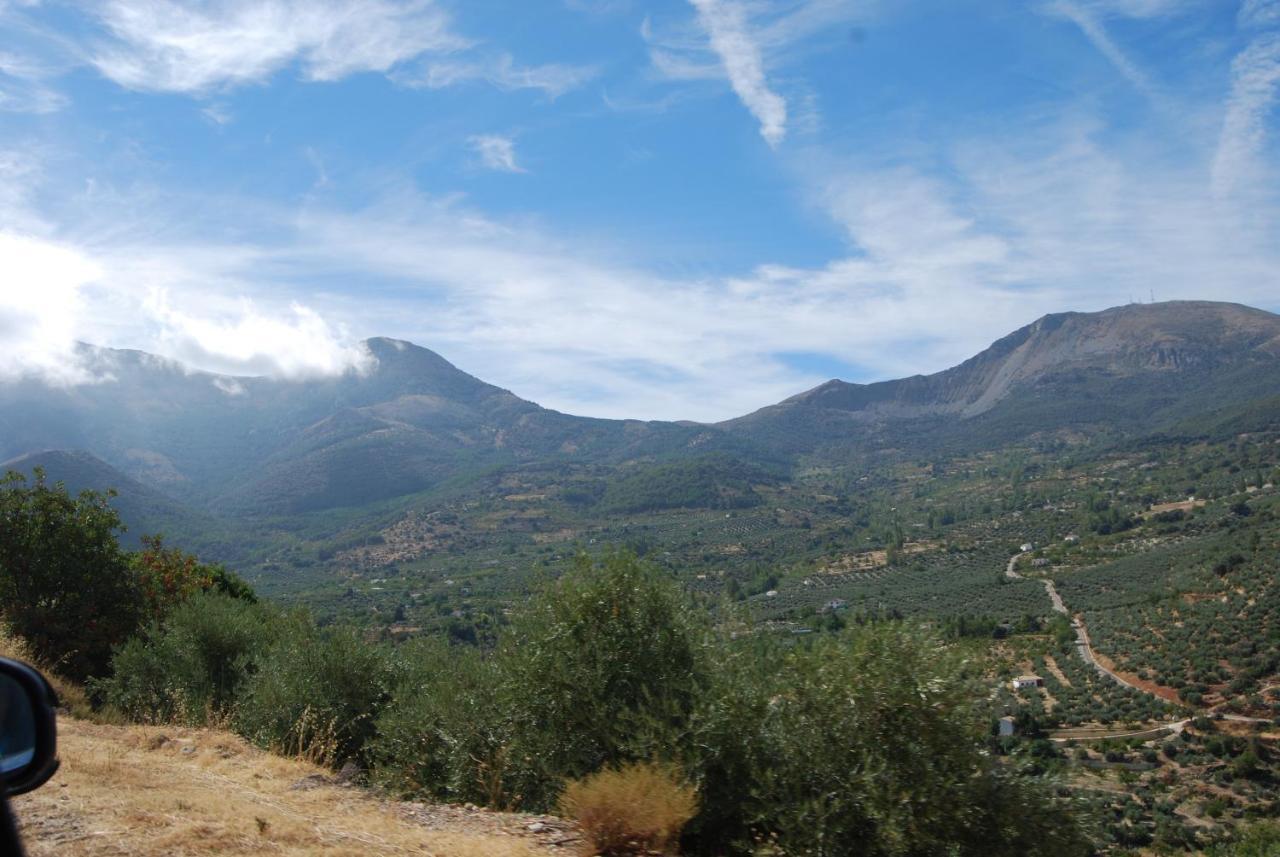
[
  {"x": 409, "y": 422},
  {"x": 143, "y": 510},
  {"x": 1136, "y": 367}
]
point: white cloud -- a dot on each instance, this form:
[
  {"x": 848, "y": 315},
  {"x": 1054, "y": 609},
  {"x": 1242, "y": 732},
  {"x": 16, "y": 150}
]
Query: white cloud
[
  {"x": 40, "y": 304},
  {"x": 496, "y": 152},
  {"x": 218, "y": 114},
  {"x": 293, "y": 343},
  {"x": 725, "y": 22},
  {"x": 170, "y": 46},
  {"x": 553, "y": 79},
  {"x": 1254, "y": 82}
]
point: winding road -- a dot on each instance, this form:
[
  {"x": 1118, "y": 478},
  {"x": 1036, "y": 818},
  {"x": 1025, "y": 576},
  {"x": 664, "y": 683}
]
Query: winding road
[
  {"x": 1085, "y": 649},
  {"x": 1083, "y": 646}
]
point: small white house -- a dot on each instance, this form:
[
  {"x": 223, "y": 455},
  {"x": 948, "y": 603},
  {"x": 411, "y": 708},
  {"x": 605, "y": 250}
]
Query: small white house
[
  {"x": 1006, "y": 727},
  {"x": 1025, "y": 681},
  {"x": 1027, "y": 546},
  {"x": 1071, "y": 539}
]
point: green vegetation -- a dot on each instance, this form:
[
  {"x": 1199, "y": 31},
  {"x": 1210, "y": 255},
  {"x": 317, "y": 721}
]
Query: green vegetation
[
  {"x": 861, "y": 742},
  {"x": 835, "y": 625},
  {"x": 68, "y": 588},
  {"x": 709, "y": 482}
]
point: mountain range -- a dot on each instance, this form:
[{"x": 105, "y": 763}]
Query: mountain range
[{"x": 413, "y": 422}]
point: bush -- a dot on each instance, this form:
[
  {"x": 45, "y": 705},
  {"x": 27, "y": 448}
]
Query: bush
[
  {"x": 444, "y": 734},
  {"x": 639, "y": 808},
  {"x": 865, "y": 743},
  {"x": 315, "y": 694},
  {"x": 191, "y": 667},
  {"x": 604, "y": 667},
  {"x": 65, "y": 585}
]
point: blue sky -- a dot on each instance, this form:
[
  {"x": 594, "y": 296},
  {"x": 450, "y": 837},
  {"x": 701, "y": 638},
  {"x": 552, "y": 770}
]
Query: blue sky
[{"x": 641, "y": 209}]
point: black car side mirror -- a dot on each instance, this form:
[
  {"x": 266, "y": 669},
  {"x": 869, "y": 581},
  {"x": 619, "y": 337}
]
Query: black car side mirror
[{"x": 28, "y": 734}]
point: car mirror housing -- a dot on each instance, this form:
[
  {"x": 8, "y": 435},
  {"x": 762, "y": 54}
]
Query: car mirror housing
[{"x": 28, "y": 734}]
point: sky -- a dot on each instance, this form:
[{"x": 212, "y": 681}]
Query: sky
[{"x": 622, "y": 208}]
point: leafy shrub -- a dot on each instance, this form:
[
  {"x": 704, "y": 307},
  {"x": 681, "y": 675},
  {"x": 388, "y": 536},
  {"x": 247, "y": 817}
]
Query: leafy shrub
[
  {"x": 192, "y": 666},
  {"x": 444, "y": 734},
  {"x": 604, "y": 667},
  {"x": 168, "y": 576},
  {"x": 867, "y": 744},
  {"x": 638, "y": 808},
  {"x": 316, "y": 693},
  {"x": 65, "y": 585}
]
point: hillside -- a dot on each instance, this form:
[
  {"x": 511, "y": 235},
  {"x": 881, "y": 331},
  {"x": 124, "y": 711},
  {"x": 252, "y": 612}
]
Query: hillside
[
  {"x": 144, "y": 510},
  {"x": 146, "y": 791}
]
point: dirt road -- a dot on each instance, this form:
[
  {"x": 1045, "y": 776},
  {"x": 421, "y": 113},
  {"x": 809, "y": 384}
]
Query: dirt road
[{"x": 1083, "y": 646}]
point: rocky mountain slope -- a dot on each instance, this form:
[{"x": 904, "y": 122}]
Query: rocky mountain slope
[{"x": 1136, "y": 368}]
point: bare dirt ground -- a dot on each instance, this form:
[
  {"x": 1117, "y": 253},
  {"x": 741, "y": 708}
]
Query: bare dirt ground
[{"x": 151, "y": 791}]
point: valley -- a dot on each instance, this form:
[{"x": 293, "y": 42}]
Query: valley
[{"x": 1091, "y": 501}]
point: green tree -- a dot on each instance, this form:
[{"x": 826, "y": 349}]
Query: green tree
[
  {"x": 65, "y": 585},
  {"x": 603, "y": 667}
]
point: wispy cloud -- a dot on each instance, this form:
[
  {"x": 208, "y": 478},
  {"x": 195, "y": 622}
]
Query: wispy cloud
[
  {"x": 496, "y": 152},
  {"x": 725, "y": 22},
  {"x": 168, "y": 46},
  {"x": 1259, "y": 13},
  {"x": 553, "y": 79},
  {"x": 1255, "y": 77},
  {"x": 218, "y": 114},
  {"x": 24, "y": 86},
  {"x": 1088, "y": 17},
  {"x": 938, "y": 266}
]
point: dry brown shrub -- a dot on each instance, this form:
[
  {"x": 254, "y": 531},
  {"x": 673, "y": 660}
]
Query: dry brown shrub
[{"x": 635, "y": 809}]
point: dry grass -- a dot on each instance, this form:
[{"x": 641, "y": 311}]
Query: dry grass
[
  {"x": 151, "y": 791},
  {"x": 71, "y": 697},
  {"x": 636, "y": 809}
]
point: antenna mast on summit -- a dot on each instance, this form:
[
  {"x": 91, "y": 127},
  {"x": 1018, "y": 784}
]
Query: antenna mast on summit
[{"x": 1153, "y": 295}]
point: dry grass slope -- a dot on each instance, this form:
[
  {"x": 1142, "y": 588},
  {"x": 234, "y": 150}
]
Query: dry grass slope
[{"x": 151, "y": 791}]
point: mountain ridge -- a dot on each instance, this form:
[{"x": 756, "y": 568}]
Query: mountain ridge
[{"x": 411, "y": 420}]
